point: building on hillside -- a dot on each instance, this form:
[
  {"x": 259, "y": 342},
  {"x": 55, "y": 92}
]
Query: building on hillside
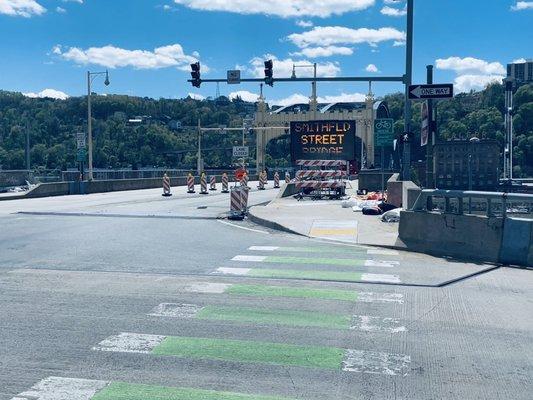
[
  {"x": 467, "y": 164},
  {"x": 520, "y": 72}
]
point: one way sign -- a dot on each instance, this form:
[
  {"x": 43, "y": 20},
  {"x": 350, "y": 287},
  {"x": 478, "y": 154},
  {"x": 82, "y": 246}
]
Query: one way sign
[{"x": 439, "y": 91}]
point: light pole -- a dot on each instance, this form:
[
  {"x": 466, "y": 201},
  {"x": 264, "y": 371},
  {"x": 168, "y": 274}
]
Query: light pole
[
  {"x": 406, "y": 173},
  {"x": 90, "y": 78}
]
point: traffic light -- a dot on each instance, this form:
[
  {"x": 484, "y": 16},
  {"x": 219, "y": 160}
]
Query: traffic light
[
  {"x": 269, "y": 73},
  {"x": 195, "y": 73}
]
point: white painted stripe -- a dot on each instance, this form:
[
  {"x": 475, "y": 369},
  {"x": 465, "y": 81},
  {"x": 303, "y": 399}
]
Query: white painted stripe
[
  {"x": 243, "y": 227},
  {"x": 232, "y": 271},
  {"x": 376, "y": 324},
  {"x": 380, "y": 278},
  {"x": 249, "y": 258},
  {"x": 176, "y": 310},
  {"x": 207, "y": 287},
  {"x": 378, "y": 263},
  {"x": 263, "y": 248},
  {"x": 56, "y": 388},
  {"x": 371, "y": 297},
  {"x": 130, "y": 343},
  {"x": 382, "y": 252},
  {"x": 372, "y": 362}
]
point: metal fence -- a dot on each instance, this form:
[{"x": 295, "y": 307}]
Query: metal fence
[{"x": 490, "y": 204}]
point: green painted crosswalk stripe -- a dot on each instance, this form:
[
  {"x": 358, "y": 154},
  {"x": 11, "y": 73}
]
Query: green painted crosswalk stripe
[
  {"x": 249, "y": 351},
  {"x": 315, "y": 260},
  {"x": 128, "y": 391},
  {"x": 274, "y": 316},
  {"x": 297, "y": 292},
  {"x": 320, "y": 275}
]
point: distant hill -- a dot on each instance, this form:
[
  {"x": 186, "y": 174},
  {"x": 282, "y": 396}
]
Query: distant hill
[{"x": 155, "y": 141}]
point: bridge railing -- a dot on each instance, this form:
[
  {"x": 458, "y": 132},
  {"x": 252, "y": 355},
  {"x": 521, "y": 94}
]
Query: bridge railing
[{"x": 490, "y": 204}]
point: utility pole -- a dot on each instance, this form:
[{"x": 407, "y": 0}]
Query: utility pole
[
  {"x": 27, "y": 146},
  {"x": 431, "y": 134},
  {"x": 90, "y": 76},
  {"x": 508, "y": 149},
  {"x": 406, "y": 173},
  {"x": 199, "y": 156}
]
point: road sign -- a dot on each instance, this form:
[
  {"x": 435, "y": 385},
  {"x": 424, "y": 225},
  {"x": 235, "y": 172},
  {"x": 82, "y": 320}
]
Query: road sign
[
  {"x": 424, "y": 134},
  {"x": 437, "y": 91},
  {"x": 240, "y": 151},
  {"x": 81, "y": 155},
  {"x": 383, "y": 131},
  {"x": 234, "y": 77},
  {"x": 80, "y": 140}
]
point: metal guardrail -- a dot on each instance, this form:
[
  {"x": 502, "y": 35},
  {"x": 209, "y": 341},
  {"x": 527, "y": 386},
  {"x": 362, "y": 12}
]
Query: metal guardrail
[{"x": 490, "y": 204}]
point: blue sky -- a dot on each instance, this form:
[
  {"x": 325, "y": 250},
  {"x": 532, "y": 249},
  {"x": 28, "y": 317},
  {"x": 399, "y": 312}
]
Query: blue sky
[{"x": 147, "y": 45}]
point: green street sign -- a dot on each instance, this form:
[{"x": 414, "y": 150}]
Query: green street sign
[
  {"x": 383, "y": 132},
  {"x": 81, "y": 155}
]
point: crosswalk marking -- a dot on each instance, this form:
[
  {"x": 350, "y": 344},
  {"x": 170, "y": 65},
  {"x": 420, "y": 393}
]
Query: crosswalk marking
[
  {"x": 57, "y": 388},
  {"x": 332, "y": 249},
  {"x": 383, "y": 252},
  {"x": 293, "y": 291},
  {"x": 130, "y": 343},
  {"x": 377, "y": 324},
  {"x": 350, "y": 360},
  {"x": 363, "y": 323},
  {"x": 316, "y": 260},
  {"x": 317, "y": 275},
  {"x": 372, "y": 362}
]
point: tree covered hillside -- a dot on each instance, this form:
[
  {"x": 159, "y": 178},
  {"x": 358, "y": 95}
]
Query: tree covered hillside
[{"x": 155, "y": 143}]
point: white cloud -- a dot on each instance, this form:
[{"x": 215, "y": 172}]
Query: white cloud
[
  {"x": 60, "y": 10},
  {"x": 328, "y": 51},
  {"x": 196, "y": 96},
  {"x": 114, "y": 57},
  {"x": 244, "y": 95},
  {"x": 21, "y": 8},
  {"x": 393, "y": 1},
  {"x": 295, "y": 98},
  {"x": 49, "y": 93},
  {"x": 283, "y": 68},
  {"x": 466, "y": 83},
  {"x": 334, "y": 35},
  {"x": 470, "y": 65},
  {"x": 398, "y": 43},
  {"x": 519, "y": 61},
  {"x": 304, "y": 24},
  {"x": 73, "y": 1},
  {"x": 371, "y": 68},
  {"x": 393, "y": 12},
  {"x": 522, "y": 5},
  {"x": 280, "y": 8}
]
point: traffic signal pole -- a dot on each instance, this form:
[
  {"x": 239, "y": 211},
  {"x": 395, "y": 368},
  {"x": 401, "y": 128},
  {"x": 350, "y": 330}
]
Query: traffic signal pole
[{"x": 406, "y": 162}]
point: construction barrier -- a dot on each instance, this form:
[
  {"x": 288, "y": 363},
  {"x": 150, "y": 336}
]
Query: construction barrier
[
  {"x": 276, "y": 180},
  {"x": 287, "y": 177},
  {"x": 262, "y": 180},
  {"x": 213, "y": 183},
  {"x": 203, "y": 184},
  {"x": 225, "y": 183},
  {"x": 321, "y": 163},
  {"x": 238, "y": 202},
  {"x": 329, "y": 174},
  {"x": 166, "y": 186},
  {"x": 320, "y": 185},
  {"x": 245, "y": 179},
  {"x": 190, "y": 184}
]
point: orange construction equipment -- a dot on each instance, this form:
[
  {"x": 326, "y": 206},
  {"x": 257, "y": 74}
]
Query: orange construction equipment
[
  {"x": 225, "y": 183},
  {"x": 190, "y": 183},
  {"x": 203, "y": 184},
  {"x": 276, "y": 180},
  {"x": 213, "y": 183}
]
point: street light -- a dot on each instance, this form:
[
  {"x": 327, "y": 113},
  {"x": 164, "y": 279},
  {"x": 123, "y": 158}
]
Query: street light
[{"x": 90, "y": 77}]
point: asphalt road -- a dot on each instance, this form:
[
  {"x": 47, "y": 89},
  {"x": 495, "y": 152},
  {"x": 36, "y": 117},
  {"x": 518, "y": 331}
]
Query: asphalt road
[{"x": 130, "y": 295}]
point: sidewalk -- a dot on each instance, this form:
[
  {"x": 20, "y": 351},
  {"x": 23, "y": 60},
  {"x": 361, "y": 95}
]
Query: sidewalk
[{"x": 326, "y": 219}]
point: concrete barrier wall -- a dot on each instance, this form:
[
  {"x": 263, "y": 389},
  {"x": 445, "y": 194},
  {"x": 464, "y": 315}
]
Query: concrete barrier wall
[
  {"x": 517, "y": 242},
  {"x": 463, "y": 236},
  {"x": 371, "y": 179},
  {"x": 66, "y": 188}
]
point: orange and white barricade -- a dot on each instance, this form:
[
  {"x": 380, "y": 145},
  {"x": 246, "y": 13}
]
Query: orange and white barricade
[
  {"x": 225, "y": 183},
  {"x": 190, "y": 183},
  {"x": 287, "y": 177},
  {"x": 276, "y": 180},
  {"x": 203, "y": 184},
  {"x": 166, "y": 186},
  {"x": 213, "y": 183}
]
